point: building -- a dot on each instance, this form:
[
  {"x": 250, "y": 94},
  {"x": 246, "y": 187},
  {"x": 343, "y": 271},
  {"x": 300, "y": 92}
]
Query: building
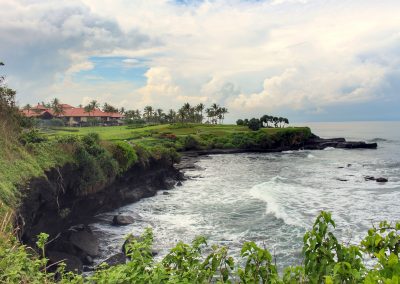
[{"x": 75, "y": 116}]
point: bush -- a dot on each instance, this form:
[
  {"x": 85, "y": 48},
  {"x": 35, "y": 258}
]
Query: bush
[
  {"x": 32, "y": 136},
  {"x": 190, "y": 143},
  {"x": 124, "y": 154}
]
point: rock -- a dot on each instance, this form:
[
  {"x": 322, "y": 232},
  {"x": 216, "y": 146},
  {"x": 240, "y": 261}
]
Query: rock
[
  {"x": 72, "y": 262},
  {"x": 349, "y": 165},
  {"x": 381, "y": 179},
  {"x": 86, "y": 242},
  {"x": 369, "y": 178},
  {"x": 179, "y": 183},
  {"x": 122, "y": 220},
  {"x": 116, "y": 259},
  {"x": 342, "y": 179},
  {"x": 340, "y": 167},
  {"x": 77, "y": 228},
  {"x": 88, "y": 260},
  {"x": 129, "y": 239},
  {"x": 165, "y": 193}
]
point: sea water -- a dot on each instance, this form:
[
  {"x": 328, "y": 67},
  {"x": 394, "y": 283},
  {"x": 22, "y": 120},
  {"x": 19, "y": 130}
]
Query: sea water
[{"x": 273, "y": 198}]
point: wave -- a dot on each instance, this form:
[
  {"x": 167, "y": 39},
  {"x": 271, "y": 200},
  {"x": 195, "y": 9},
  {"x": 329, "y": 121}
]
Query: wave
[
  {"x": 279, "y": 197},
  {"x": 379, "y": 140}
]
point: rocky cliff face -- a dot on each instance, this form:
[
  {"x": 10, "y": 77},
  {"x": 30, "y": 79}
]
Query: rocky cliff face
[{"x": 49, "y": 204}]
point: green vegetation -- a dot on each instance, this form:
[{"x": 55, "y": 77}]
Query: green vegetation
[
  {"x": 188, "y": 136},
  {"x": 326, "y": 260},
  {"x": 255, "y": 123}
]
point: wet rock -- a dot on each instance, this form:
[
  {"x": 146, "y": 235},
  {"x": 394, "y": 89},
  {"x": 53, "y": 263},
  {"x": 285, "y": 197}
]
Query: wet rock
[
  {"x": 86, "y": 242},
  {"x": 340, "y": 167},
  {"x": 342, "y": 179},
  {"x": 179, "y": 183},
  {"x": 369, "y": 178},
  {"x": 165, "y": 193},
  {"x": 88, "y": 260},
  {"x": 349, "y": 165},
  {"x": 72, "y": 262},
  {"x": 381, "y": 179},
  {"x": 116, "y": 259},
  {"x": 122, "y": 220},
  {"x": 77, "y": 228}
]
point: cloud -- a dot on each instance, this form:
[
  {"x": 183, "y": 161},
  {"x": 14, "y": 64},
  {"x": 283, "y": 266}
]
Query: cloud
[{"x": 281, "y": 55}]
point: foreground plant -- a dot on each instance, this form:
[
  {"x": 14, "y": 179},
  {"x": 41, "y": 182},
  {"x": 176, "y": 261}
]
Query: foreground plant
[{"x": 326, "y": 260}]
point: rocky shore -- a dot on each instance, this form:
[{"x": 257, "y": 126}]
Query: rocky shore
[{"x": 50, "y": 204}]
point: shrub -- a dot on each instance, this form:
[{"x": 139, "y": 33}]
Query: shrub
[
  {"x": 190, "y": 143},
  {"x": 124, "y": 154},
  {"x": 32, "y": 136}
]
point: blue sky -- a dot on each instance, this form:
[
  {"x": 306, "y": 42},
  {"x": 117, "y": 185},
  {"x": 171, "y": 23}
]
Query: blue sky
[{"x": 309, "y": 60}]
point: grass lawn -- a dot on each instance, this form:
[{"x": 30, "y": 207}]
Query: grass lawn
[{"x": 115, "y": 133}]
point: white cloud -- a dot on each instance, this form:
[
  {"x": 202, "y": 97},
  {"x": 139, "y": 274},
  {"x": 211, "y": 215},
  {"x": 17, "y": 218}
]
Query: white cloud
[{"x": 296, "y": 54}]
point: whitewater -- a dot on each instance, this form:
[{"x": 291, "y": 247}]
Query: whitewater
[{"x": 273, "y": 198}]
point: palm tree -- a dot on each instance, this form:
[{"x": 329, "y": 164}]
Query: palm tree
[
  {"x": 91, "y": 106},
  {"x": 28, "y": 107},
  {"x": 148, "y": 112},
  {"x": 199, "y": 108},
  {"x": 57, "y": 107},
  {"x": 223, "y": 112},
  {"x": 171, "y": 116},
  {"x": 182, "y": 114}
]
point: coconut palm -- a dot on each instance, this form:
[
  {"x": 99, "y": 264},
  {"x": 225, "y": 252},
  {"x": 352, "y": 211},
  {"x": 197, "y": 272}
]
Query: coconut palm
[
  {"x": 200, "y": 108},
  {"x": 148, "y": 113},
  {"x": 56, "y": 107}
]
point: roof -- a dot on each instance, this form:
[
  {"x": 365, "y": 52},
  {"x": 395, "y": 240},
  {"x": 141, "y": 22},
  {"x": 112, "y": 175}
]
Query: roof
[
  {"x": 32, "y": 113},
  {"x": 69, "y": 111},
  {"x": 80, "y": 112}
]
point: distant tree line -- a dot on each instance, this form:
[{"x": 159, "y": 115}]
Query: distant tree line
[
  {"x": 264, "y": 121},
  {"x": 186, "y": 114}
]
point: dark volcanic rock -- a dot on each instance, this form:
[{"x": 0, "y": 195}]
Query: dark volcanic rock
[
  {"x": 381, "y": 179},
  {"x": 116, "y": 259},
  {"x": 369, "y": 178},
  {"x": 86, "y": 242},
  {"x": 72, "y": 262},
  {"x": 122, "y": 220}
]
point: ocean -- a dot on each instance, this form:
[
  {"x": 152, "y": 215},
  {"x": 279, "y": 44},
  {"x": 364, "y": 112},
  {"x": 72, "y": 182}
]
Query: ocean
[{"x": 274, "y": 198}]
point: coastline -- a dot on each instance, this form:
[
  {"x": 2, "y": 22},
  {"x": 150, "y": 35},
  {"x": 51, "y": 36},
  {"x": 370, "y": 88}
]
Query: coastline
[{"x": 63, "y": 215}]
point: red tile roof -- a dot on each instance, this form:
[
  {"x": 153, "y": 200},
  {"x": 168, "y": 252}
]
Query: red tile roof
[
  {"x": 69, "y": 111},
  {"x": 80, "y": 112}
]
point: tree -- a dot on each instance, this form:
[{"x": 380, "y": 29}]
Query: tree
[
  {"x": 56, "y": 107},
  {"x": 148, "y": 113},
  {"x": 109, "y": 108},
  {"x": 91, "y": 106},
  {"x": 240, "y": 122},
  {"x": 27, "y": 107},
  {"x": 200, "y": 108},
  {"x": 254, "y": 124}
]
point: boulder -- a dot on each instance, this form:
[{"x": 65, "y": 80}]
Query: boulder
[
  {"x": 165, "y": 193},
  {"x": 122, "y": 220},
  {"x": 369, "y": 178},
  {"x": 381, "y": 179},
  {"x": 116, "y": 259},
  {"x": 72, "y": 263},
  {"x": 86, "y": 242},
  {"x": 179, "y": 183}
]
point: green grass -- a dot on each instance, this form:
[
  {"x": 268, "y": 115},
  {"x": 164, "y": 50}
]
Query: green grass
[{"x": 149, "y": 133}]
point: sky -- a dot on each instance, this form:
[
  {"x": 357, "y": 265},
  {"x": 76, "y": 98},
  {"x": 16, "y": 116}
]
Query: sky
[{"x": 308, "y": 60}]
